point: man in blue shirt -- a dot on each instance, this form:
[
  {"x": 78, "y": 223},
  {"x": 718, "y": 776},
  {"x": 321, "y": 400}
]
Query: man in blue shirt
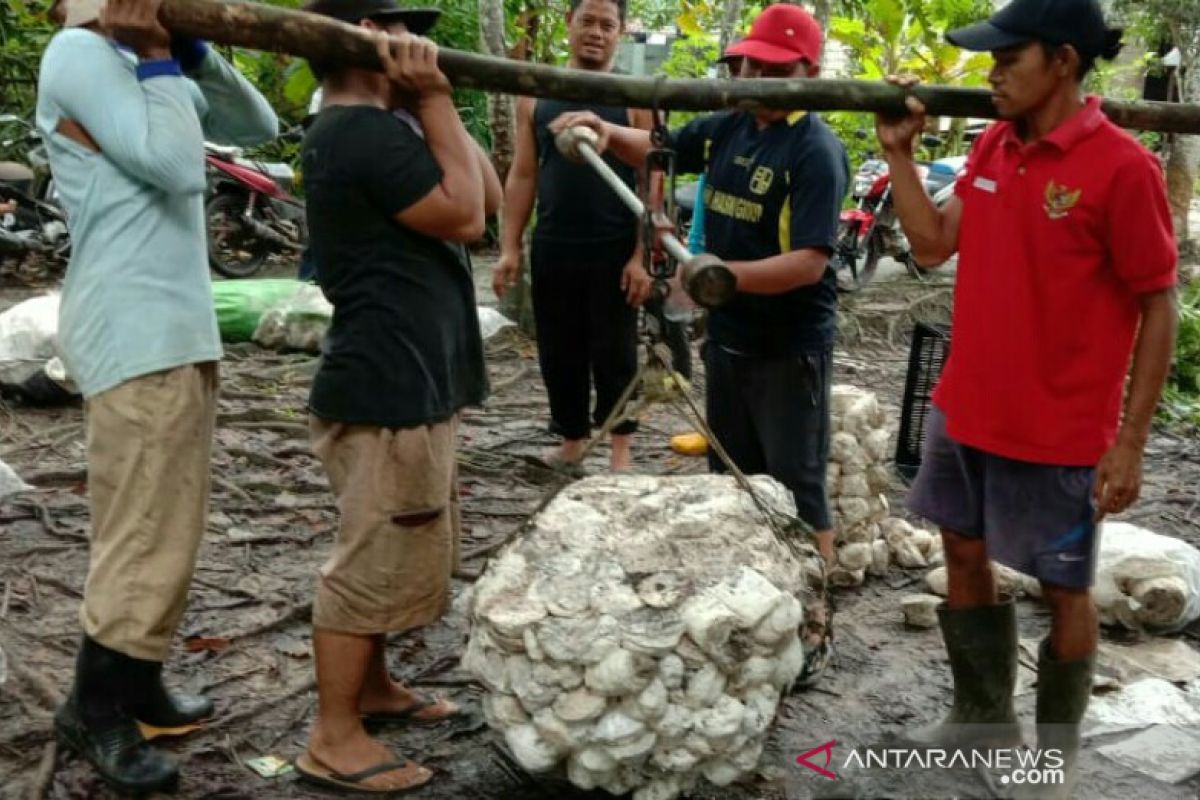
[{"x": 124, "y": 109}]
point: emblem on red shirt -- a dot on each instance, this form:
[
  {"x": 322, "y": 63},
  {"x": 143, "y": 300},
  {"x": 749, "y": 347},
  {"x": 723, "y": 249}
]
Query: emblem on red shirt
[{"x": 1060, "y": 200}]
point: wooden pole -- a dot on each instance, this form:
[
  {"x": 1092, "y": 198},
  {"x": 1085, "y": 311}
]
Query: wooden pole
[{"x": 321, "y": 39}]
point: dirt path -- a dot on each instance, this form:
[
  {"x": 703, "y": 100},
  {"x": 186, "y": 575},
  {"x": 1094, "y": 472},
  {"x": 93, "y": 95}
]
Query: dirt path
[{"x": 245, "y": 638}]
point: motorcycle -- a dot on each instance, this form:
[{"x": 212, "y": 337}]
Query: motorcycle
[
  {"x": 871, "y": 230},
  {"x": 31, "y": 221},
  {"x": 251, "y": 210}
]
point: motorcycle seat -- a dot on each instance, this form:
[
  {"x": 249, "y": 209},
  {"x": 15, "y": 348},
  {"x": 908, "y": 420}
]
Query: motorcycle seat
[
  {"x": 12, "y": 172},
  {"x": 221, "y": 150}
]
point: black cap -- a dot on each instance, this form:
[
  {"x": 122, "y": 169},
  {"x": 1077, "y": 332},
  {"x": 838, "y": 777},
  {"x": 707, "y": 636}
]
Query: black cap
[
  {"x": 1079, "y": 23},
  {"x": 417, "y": 20}
]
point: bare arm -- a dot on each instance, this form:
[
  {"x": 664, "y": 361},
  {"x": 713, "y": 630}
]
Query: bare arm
[
  {"x": 628, "y": 144},
  {"x": 454, "y": 209},
  {"x": 1151, "y": 364},
  {"x": 635, "y": 280},
  {"x": 932, "y": 232},
  {"x": 1119, "y": 473},
  {"x": 520, "y": 189},
  {"x": 781, "y": 273}
]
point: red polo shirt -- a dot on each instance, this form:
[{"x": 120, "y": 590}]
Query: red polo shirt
[{"x": 1057, "y": 241}]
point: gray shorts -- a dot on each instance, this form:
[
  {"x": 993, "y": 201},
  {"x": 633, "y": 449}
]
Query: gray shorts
[{"x": 1036, "y": 518}]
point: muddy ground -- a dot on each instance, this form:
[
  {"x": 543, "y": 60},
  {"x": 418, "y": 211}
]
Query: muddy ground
[{"x": 245, "y": 637}]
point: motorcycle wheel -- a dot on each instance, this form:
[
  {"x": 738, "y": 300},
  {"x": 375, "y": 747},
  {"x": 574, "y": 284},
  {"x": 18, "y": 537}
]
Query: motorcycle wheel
[
  {"x": 914, "y": 271},
  {"x": 858, "y": 262},
  {"x": 233, "y": 250}
]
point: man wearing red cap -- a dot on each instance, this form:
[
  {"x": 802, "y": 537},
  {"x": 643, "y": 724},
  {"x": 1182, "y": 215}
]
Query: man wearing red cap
[{"x": 775, "y": 181}]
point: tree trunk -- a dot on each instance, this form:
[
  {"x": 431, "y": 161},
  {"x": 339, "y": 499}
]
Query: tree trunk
[
  {"x": 517, "y": 303},
  {"x": 729, "y": 22},
  {"x": 282, "y": 30},
  {"x": 823, "y": 12},
  {"x": 500, "y": 106},
  {"x": 1182, "y": 158}
]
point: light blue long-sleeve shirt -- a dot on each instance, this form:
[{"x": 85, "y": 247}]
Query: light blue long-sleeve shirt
[{"x": 137, "y": 297}]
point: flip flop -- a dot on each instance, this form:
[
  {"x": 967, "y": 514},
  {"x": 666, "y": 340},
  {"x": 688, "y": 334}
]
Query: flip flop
[
  {"x": 313, "y": 771},
  {"x": 409, "y": 715},
  {"x": 573, "y": 469}
]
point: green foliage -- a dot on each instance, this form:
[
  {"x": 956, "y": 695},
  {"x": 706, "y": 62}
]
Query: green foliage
[
  {"x": 24, "y": 32},
  {"x": 691, "y": 57},
  {"x": 856, "y": 131},
  {"x": 887, "y": 37},
  {"x": 1181, "y": 400},
  {"x": 1174, "y": 21}
]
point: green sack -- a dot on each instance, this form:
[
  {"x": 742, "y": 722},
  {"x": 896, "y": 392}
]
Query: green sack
[{"x": 240, "y": 304}]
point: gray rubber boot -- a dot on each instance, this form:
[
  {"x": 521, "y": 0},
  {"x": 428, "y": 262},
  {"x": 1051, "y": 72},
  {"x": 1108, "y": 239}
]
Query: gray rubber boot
[
  {"x": 982, "y": 645},
  {"x": 1063, "y": 691}
]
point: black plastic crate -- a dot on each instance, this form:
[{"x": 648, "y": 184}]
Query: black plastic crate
[{"x": 930, "y": 349}]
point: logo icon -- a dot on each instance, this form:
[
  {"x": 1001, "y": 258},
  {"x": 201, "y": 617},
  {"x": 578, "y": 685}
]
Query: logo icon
[
  {"x": 827, "y": 749},
  {"x": 1060, "y": 200},
  {"x": 760, "y": 181}
]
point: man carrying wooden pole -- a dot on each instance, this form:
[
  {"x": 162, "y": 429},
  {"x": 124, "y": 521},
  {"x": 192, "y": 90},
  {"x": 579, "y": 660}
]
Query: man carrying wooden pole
[
  {"x": 124, "y": 108},
  {"x": 391, "y": 201},
  {"x": 1067, "y": 266}
]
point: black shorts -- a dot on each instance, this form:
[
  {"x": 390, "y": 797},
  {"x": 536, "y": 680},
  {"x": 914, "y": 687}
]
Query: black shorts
[{"x": 772, "y": 416}]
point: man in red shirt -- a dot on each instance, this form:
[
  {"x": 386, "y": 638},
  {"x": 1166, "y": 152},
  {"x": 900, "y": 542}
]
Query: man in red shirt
[{"x": 1067, "y": 266}]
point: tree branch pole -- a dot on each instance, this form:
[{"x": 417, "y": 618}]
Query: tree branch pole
[{"x": 321, "y": 39}]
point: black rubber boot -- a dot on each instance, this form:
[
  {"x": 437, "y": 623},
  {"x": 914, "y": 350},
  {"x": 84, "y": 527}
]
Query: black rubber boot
[
  {"x": 150, "y": 701},
  {"x": 94, "y": 723},
  {"x": 982, "y": 645},
  {"x": 1063, "y": 691}
]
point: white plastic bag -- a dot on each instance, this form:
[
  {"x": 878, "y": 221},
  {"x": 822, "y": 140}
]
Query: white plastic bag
[
  {"x": 28, "y": 337},
  {"x": 298, "y": 323},
  {"x": 492, "y": 322},
  {"x": 1145, "y": 580},
  {"x": 10, "y": 482}
]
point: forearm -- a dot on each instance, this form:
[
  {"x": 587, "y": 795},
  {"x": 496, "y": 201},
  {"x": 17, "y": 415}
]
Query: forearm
[
  {"x": 781, "y": 273},
  {"x": 238, "y": 113},
  {"x": 629, "y": 144},
  {"x": 454, "y": 151},
  {"x": 918, "y": 215},
  {"x": 1151, "y": 365},
  {"x": 519, "y": 194}
]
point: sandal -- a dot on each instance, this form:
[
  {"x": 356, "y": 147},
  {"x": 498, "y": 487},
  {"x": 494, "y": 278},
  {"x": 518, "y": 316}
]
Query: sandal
[
  {"x": 313, "y": 771},
  {"x": 550, "y": 462},
  {"x": 409, "y": 714}
]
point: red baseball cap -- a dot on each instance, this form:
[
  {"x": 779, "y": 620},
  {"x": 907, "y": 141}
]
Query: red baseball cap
[{"x": 782, "y": 34}]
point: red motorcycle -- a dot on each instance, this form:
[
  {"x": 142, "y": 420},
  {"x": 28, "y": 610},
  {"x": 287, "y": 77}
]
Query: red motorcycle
[
  {"x": 871, "y": 230},
  {"x": 252, "y": 212}
]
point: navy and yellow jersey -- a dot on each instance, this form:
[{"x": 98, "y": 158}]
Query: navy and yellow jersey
[{"x": 769, "y": 191}]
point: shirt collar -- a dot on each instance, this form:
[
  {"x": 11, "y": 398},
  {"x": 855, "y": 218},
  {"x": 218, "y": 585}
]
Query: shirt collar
[{"x": 1071, "y": 132}]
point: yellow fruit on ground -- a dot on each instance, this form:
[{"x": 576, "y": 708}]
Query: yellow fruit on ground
[{"x": 689, "y": 444}]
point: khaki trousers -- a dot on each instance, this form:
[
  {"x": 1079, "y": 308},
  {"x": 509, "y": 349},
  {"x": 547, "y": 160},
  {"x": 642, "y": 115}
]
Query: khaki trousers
[
  {"x": 149, "y": 444},
  {"x": 398, "y": 535}
]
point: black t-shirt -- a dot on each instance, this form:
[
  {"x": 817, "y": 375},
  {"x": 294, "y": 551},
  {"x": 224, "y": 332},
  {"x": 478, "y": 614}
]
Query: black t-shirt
[
  {"x": 768, "y": 192},
  {"x": 574, "y": 205},
  {"x": 404, "y": 348}
]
